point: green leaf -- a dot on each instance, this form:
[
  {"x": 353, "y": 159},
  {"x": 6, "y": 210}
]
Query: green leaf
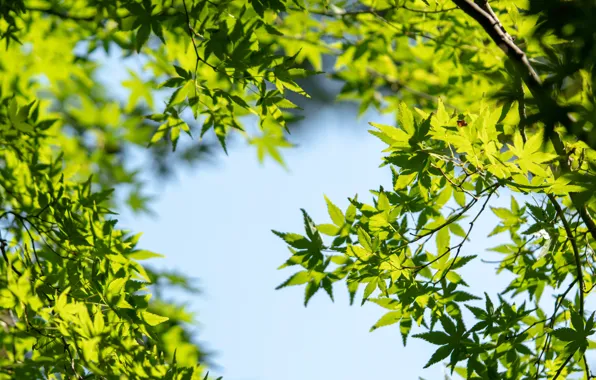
[
  {"x": 406, "y": 119},
  {"x": 387, "y": 303},
  {"x": 456, "y": 229},
  {"x": 335, "y": 213},
  {"x": 172, "y": 83},
  {"x": 448, "y": 325},
  {"x": 387, "y": 319},
  {"x": 182, "y": 72},
  {"x": 359, "y": 252},
  {"x": 142, "y": 36},
  {"x": 383, "y": 202},
  {"x": 566, "y": 334},
  {"x": 443, "y": 240},
  {"x": 328, "y": 229},
  {"x": 453, "y": 277},
  {"x": 271, "y": 30},
  {"x": 296, "y": 279},
  {"x": 442, "y": 115},
  {"x": 309, "y": 291},
  {"x": 182, "y": 93},
  {"x": 577, "y": 320},
  {"x": 435, "y": 337},
  {"x": 460, "y": 198},
  {"x": 440, "y": 354},
  {"x": 328, "y": 286},
  {"x": 503, "y": 213},
  {"x": 351, "y": 212},
  {"x": 294, "y": 240},
  {"x": 369, "y": 289},
  {"x": 462, "y": 260},
  {"x": 152, "y": 319},
  {"x": 174, "y": 135},
  {"x": 144, "y": 254},
  {"x": 464, "y": 297},
  {"x": 404, "y": 180},
  {"x": 115, "y": 287},
  {"x": 365, "y": 240},
  {"x": 352, "y": 289},
  {"x": 405, "y": 326}
]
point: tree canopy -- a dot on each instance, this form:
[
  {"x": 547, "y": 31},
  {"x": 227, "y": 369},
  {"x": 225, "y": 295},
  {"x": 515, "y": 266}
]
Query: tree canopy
[{"x": 491, "y": 99}]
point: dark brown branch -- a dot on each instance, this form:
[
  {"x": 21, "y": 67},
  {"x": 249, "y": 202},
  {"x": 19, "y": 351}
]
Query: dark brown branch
[
  {"x": 488, "y": 9},
  {"x": 499, "y": 35},
  {"x": 485, "y": 16},
  {"x": 495, "y": 30}
]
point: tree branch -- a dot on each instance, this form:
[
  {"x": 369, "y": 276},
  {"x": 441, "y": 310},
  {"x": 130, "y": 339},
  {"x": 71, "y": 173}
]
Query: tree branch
[
  {"x": 396, "y": 85},
  {"x": 485, "y": 16},
  {"x": 495, "y": 30},
  {"x": 425, "y": 11},
  {"x": 563, "y": 366},
  {"x": 581, "y": 208},
  {"x": 372, "y": 11},
  {"x": 465, "y": 238},
  {"x": 572, "y": 240},
  {"x": 491, "y": 24},
  {"x": 62, "y": 15}
]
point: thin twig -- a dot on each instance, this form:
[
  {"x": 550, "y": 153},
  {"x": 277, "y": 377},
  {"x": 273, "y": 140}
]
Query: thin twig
[
  {"x": 372, "y": 11},
  {"x": 194, "y": 43},
  {"x": 489, "y": 21},
  {"x": 563, "y": 365},
  {"x": 571, "y": 237},
  {"x": 579, "y": 205},
  {"x": 579, "y": 272},
  {"x": 397, "y": 85},
  {"x": 461, "y": 244},
  {"x": 3, "y": 249},
  {"x": 72, "y": 362},
  {"x": 458, "y": 246},
  {"x": 558, "y": 304},
  {"x": 578, "y": 266},
  {"x": 62, "y": 15},
  {"x": 431, "y": 12},
  {"x": 521, "y": 107}
]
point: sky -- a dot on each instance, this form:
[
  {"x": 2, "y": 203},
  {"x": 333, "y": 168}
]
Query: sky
[{"x": 215, "y": 224}]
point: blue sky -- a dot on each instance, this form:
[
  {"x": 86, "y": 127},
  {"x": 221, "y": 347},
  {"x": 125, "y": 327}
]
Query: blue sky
[{"x": 214, "y": 224}]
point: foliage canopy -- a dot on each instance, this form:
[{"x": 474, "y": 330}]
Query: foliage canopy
[{"x": 491, "y": 99}]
